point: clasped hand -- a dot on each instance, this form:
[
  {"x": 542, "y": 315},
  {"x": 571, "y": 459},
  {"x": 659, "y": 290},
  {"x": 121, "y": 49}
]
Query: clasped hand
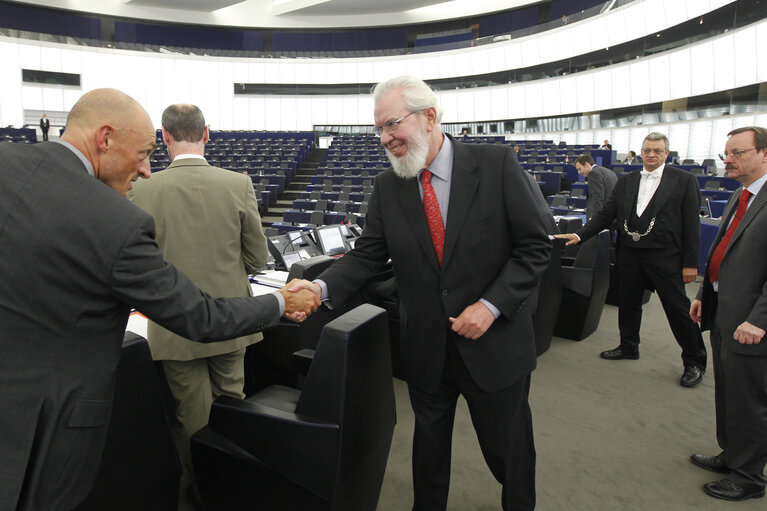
[{"x": 301, "y": 299}]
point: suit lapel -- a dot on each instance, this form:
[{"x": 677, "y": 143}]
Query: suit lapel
[
  {"x": 632, "y": 189},
  {"x": 410, "y": 200},
  {"x": 757, "y": 203},
  {"x": 463, "y": 185},
  {"x": 666, "y": 188}
]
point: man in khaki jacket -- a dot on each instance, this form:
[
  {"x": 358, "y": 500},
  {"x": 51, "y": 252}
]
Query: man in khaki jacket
[{"x": 209, "y": 227}]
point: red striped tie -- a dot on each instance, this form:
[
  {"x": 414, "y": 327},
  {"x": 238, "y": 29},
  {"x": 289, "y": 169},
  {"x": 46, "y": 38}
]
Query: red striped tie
[
  {"x": 433, "y": 215},
  {"x": 721, "y": 248}
]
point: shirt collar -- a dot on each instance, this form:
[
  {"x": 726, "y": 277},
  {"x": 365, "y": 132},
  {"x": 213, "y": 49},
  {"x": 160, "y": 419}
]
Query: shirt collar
[
  {"x": 656, "y": 173},
  {"x": 86, "y": 162},
  {"x": 443, "y": 162},
  {"x": 185, "y": 156},
  {"x": 756, "y": 186}
]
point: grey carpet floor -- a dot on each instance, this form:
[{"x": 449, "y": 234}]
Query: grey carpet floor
[{"x": 610, "y": 435}]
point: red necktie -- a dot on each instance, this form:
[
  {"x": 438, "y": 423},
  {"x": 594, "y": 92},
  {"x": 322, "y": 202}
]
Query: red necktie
[
  {"x": 721, "y": 248},
  {"x": 433, "y": 216}
]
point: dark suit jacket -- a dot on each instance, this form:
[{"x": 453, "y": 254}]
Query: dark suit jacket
[
  {"x": 74, "y": 257},
  {"x": 601, "y": 184},
  {"x": 496, "y": 247},
  {"x": 742, "y": 292},
  {"x": 45, "y": 124},
  {"x": 675, "y": 206}
]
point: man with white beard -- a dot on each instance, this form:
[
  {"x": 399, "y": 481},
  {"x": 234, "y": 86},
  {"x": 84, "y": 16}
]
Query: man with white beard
[{"x": 466, "y": 231}]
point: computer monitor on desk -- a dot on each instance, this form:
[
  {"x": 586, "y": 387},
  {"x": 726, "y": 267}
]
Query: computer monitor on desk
[
  {"x": 331, "y": 240},
  {"x": 289, "y": 259},
  {"x": 290, "y": 247}
]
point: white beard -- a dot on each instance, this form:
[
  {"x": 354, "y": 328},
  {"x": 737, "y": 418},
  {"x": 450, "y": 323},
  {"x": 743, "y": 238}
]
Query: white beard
[{"x": 408, "y": 166}]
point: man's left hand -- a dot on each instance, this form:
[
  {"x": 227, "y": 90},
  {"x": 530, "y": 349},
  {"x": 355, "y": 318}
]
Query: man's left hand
[
  {"x": 689, "y": 275},
  {"x": 473, "y": 322},
  {"x": 747, "y": 333}
]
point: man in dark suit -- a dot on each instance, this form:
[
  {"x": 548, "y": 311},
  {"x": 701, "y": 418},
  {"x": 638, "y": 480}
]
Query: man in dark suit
[
  {"x": 75, "y": 255},
  {"x": 468, "y": 241},
  {"x": 656, "y": 211},
  {"x": 601, "y": 183},
  {"x": 45, "y": 125},
  {"x": 732, "y": 303}
]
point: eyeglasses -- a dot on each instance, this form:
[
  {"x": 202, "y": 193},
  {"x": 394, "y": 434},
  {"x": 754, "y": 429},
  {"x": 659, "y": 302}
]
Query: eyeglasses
[
  {"x": 656, "y": 151},
  {"x": 735, "y": 154},
  {"x": 390, "y": 126}
]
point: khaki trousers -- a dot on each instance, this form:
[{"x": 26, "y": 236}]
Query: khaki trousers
[{"x": 195, "y": 384}]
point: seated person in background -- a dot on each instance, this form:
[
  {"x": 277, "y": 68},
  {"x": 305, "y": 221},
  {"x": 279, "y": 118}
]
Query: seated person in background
[{"x": 632, "y": 159}]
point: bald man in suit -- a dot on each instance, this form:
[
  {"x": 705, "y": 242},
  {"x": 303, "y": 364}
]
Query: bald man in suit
[{"x": 75, "y": 256}]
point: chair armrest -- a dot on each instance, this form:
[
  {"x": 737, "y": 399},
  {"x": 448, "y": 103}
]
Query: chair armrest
[
  {"x": 300, "y": 448},
  {"x": 302, "y": 360},
  {"x": 578, "y": 280}
]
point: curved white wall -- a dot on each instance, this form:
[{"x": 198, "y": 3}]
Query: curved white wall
[{"x": 157, "y": 80}]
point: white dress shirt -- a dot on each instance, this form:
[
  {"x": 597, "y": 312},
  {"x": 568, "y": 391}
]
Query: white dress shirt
[{"x": 648, "y": 185}]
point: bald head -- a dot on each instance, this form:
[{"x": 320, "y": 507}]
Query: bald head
[
  {"x": 115, "y": 134},
  {"x": 105, "y": 106}
]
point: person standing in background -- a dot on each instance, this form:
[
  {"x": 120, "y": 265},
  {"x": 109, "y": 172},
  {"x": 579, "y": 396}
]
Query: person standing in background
[
  {"x": 656, "y": 211},
  {"x": 45, "y": 125},
  {"x": 601, "y": 183},
  {"x": 208, "y": 226}
]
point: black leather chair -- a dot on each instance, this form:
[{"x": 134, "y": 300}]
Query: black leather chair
[
  {"x": 584, "y": 289},
  {"x": 269, "y": 361},
  {"x": 567, "y": 225},
  {"x": 139, "y": 467},
  {"x": 324, "y": 447}
]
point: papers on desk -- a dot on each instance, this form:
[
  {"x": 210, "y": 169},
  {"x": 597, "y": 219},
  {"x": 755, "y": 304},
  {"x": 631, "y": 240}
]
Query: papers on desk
[
  {"x": 271, "y": 278},
  {"x": 137, "y": 324}
]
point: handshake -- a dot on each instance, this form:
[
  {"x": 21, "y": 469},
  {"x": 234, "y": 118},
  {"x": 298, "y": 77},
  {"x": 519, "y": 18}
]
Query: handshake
[{"x": 302, "y": 298}]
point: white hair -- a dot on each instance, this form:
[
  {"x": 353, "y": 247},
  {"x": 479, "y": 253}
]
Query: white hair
[{"x": 416, "y": 93}]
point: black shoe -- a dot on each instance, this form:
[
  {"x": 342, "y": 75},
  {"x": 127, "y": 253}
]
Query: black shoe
[
  {"x": 727, "y": 490},
  {"x": 711, "y": 463},
  {"x": 692, "y": 376},
  {"x": 619, "y": 353}
]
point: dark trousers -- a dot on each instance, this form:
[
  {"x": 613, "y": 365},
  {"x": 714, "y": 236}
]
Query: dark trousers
[
  {"x": 720, "y": 402},
  {"x": 504, "y": 427},
  {"x": 643, "y": 269},
  {"x": 741, "y": 407}
]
